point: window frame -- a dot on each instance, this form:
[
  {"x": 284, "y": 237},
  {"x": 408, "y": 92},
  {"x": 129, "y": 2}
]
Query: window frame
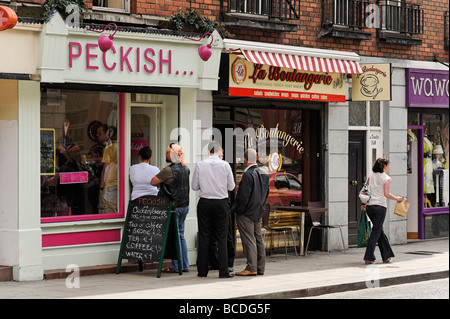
[
  {"x": 121, "y": 175},
  {"x": 368, "y": 128},
  {"x": 125, "y": 7}
]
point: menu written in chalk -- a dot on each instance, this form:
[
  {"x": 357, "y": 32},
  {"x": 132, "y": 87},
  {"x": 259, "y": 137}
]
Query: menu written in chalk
[{"x": 145, "y": 229}]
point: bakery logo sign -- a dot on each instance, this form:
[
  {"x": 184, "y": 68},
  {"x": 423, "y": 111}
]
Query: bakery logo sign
[
  {"x": 374, "y": 84},
  {"x": 259, "y": 80}
]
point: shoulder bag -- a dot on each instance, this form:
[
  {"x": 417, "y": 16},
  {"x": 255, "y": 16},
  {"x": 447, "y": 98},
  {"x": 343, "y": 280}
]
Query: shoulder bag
[{"x": 364, "y": 193}]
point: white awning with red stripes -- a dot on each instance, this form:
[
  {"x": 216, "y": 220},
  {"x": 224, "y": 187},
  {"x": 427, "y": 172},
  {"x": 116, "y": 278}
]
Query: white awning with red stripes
[{"x": 300, "y": 58}]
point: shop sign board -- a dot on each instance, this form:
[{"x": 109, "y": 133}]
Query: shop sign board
[
  {"x": 374, "y": 84},
  {"x": 72, "y": 55},
  {"x": 427, "y": 88},
  {"x": 131, "y": 62},
  {"x": 264, "y": 81}
]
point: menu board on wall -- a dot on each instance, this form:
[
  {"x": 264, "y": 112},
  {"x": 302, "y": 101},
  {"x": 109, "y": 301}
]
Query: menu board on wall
[{"x": 48, "y": 151}]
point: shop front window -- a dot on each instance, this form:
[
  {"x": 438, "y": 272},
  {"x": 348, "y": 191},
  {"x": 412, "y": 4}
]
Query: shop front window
[
  {"x": 283, "y": 138},
  {"x": 79, "y": 153},
  {"x": 436, "y": 160},
  {"x": 288, "y": 142}
]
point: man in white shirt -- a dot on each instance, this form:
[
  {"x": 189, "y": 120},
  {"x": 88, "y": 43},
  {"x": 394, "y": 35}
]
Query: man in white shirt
[{"x": 213, "y": 179}]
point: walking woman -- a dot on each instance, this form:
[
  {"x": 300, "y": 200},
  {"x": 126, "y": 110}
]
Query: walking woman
[{"x": 379, "y": 187}]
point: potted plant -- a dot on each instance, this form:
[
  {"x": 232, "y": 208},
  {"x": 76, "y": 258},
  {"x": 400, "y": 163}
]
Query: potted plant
[
  {"x": 64, "y": 7},
  {"x": 193, "y": 21}
]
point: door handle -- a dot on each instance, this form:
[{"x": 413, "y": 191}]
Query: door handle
[{"x": 354, "y": 183}]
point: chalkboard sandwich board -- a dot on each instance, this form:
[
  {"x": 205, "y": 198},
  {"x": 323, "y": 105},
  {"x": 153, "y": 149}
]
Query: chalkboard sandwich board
[{"x": 150, "y": 232}]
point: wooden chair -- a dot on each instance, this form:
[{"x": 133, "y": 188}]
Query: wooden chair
[{"x": 277, "y": 230}]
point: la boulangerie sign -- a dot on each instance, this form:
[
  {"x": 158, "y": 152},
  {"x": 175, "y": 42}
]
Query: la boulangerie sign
[
  {"x": 374, "y": 84},
  {"x": 427, "y": 88},
  {"x": 264, "y": 81}
]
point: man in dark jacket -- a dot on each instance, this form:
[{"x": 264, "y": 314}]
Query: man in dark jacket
[{"x": 249, "y": 208}]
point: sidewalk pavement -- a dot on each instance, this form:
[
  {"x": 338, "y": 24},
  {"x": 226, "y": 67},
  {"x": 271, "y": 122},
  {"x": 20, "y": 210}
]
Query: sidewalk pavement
[{"x": 295, "y": 277}]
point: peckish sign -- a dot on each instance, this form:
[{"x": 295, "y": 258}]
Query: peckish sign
[
  {"x": 258, "y": 80},
  {"x": 131, "y": 62},
  {"x": 125, "y": 58},
  {"x": 72, "y": 55}
]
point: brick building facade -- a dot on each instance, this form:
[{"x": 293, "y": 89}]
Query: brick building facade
[
  {"x": 304, "y": 28},
  {"x": 40, "y": 90}
]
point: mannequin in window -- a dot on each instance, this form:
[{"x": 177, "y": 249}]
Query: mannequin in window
[
  {"x": 445, "y": 140},
  {"x": 428, "y": 184}
]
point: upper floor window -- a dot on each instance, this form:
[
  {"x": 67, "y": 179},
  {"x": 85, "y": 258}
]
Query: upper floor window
[
  {"x": 250, "y": 6},
  {"x": 273, "y": 9},
  {"x": 401, "y": 16},
  {"x": 120, "y": 5},
  {"x": 350, "y": 13}
]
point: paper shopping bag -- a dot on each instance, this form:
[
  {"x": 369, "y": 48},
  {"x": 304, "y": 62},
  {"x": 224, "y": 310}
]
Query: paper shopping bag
[{"x": 401, "y": 208}]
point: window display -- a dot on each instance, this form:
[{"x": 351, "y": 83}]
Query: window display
[
  {"x": 436, "y": 157},
  {"x": 286, "y": 153},
  {"x": 288, "y": 142},
  {"x": 79, "y": 163}
]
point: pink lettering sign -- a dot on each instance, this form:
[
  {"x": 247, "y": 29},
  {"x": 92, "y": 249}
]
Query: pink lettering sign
[
  {"x": 73, "y": 178},
  {"x": 127, "y": 58},
  {"x": 72, "y": 54},
  {"x": 137, "y": 145}
]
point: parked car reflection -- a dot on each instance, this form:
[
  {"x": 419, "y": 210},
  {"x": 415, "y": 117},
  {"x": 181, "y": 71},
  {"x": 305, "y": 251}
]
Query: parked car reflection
[{"x": 285, "y": 190}]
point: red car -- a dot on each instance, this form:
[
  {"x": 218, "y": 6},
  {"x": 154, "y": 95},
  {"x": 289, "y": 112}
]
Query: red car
[{"x": 285, "y": 190}]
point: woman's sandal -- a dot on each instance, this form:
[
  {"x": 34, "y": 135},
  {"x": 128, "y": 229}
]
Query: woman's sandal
[
  {"x": 369, "y": 262},
  {"x": 387, "y": 261}
]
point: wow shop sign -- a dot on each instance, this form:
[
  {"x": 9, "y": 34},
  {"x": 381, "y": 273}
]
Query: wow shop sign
[
  {"x": 258, "y": 80},
  {"x": 427, "y": 88}
]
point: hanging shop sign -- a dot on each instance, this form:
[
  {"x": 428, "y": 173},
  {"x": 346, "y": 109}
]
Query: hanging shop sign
[
  {"x": 260, "y": 80},
  {"x": 374, "y": 84},
  {"x": 427, "y": 88}
]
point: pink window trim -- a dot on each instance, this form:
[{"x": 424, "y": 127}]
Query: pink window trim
[
  {"x": 81, "y": 238},
  {"x": 121, "y": 204}
]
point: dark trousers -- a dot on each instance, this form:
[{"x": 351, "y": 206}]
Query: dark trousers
[
  {"x": 213, "y": 220},
  {"x": 377, "y": 214},
  {"x": 213, "y": 263}
]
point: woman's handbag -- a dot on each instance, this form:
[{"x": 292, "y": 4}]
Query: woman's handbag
[
  {"x": 401, "y": 208},
  {"x": 364, "y": 193},
  {"x": 364, "y": 230}
]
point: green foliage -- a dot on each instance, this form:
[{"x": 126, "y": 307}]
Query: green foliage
[
  {"x": 60, "y": 6},
  {"x": 196, "y": 20}
]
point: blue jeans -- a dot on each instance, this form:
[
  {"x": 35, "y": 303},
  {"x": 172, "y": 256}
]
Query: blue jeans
[
  {"x": 377, "y": 214},
  {"x": 181, "y": 214}
]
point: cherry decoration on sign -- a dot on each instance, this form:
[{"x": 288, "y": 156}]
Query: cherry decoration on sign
[
  {"x": 8, "y": 18},
  {"x": 105, "y": 42}
]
